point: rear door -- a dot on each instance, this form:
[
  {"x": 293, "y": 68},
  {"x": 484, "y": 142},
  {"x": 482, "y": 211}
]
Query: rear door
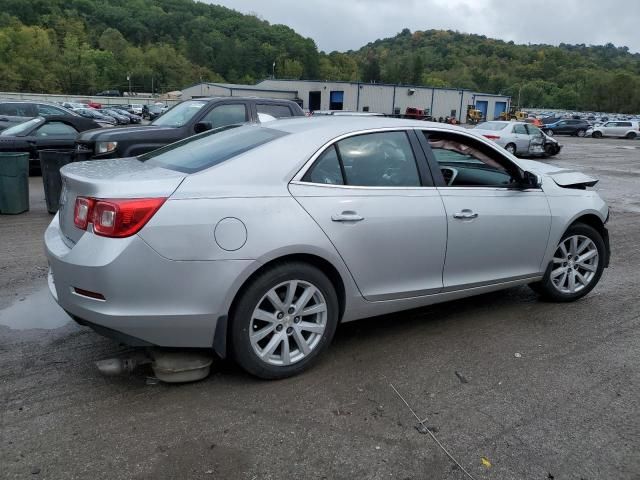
[{"x": 371, "y": 195}]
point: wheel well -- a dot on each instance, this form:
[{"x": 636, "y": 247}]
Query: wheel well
[
  {"x": 591, "y": 220},
  {"x": 320, "y": 263}
]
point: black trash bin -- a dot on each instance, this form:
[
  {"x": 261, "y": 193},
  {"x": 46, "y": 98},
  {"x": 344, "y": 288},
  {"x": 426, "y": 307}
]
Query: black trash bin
[
  {"x": 51, "y": 161},
  {"x": 14, "y": 183}
]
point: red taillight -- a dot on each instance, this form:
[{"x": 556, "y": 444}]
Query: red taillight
[
  {"x": 492, "y": 137},
  {"x": 115, "y": 217},
  {"x": 82, "y": 212}
]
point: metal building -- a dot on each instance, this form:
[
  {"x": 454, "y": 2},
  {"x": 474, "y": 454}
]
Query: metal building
[{"x": 362, "y": 97}]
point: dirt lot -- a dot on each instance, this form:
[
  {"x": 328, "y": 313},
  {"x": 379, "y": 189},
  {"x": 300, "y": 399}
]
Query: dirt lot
[{"x": 542, "y": 391}]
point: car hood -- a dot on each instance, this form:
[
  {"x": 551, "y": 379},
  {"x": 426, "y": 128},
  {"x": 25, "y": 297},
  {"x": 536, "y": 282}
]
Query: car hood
[
  {"x": 114, "y": 134},
  {"x": 561, "y": 176}
]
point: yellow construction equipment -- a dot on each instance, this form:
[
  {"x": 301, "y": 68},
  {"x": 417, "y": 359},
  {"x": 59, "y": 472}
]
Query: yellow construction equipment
[
  {"x": 474, "y": 115},
  {"x": 513, "y": 114}
]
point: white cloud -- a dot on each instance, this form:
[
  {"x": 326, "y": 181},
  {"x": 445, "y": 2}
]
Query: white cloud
[{"x": 350, "y": 24}]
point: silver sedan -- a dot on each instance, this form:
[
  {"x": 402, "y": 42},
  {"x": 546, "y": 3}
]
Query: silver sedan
[
  {"x": 258, "y": 241},
  {"x": 519, "y": 138}
]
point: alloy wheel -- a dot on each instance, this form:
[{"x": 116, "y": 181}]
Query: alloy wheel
[
  {"x": 575, "y": 263},
  {"x": 288, "y": 323}
]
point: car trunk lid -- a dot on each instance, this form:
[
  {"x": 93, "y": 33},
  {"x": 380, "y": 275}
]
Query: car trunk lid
[{"x": 115, "y": 178}]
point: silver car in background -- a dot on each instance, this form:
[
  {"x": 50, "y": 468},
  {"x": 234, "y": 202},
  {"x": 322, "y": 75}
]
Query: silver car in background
[
  {"x": 258, "y": 241},
  {"x": 519, "y": 138},
  {"x": 620, "y": 128}
]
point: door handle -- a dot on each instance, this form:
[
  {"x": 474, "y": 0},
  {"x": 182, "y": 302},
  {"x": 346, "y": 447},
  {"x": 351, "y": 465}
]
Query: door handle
[
  {"x": 347, "y": 216},
  {"x": 465, "y": 214}
]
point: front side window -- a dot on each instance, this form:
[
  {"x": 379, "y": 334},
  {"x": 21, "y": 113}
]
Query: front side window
[
  {"x": 21, "y": 129},
  {"x": 465, "y": 162},
  {"x": 16, "y": 109},
  {"x": 56, "y": 129}
]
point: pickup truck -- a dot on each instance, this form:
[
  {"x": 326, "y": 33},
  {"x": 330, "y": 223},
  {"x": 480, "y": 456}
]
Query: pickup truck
[{"x": 181, "y": 121}]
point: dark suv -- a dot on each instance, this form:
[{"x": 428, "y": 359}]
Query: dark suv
[
  {"x": 567, "y": 127},
  {"x": 13, "y": 112},
  {"x": 181, "y": 121}
]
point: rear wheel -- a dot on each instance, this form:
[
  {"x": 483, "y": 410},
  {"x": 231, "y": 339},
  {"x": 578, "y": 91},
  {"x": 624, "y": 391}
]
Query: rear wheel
[
  {"x": 631, "y": 135},
  {"x": 284, "y": 320},
  {"x": 581, "y": 133},
  {"x": 511, "y": 148},
  {"x": 549, "y": 132},
  {"x": 576, "y": 266},
  {"x": 596, "y": 134}
]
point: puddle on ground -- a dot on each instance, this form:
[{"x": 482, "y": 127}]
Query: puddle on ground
[{"x": 36, "y": 310}]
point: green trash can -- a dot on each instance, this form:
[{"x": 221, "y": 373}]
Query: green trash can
[
  {"x": 51, "y": 161},
  {"x": 14, "y": 183}
]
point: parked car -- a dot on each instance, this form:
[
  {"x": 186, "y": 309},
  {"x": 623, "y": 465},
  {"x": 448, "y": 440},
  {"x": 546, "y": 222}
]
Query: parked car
[
  {"x": 534, "y": 121},
  {"x": 135, "y": 108},
  {"x": 74, "y": 105},
  {"x": 119, "y": 118},
  {"x": 519, "y": 138},
  {"x": 181, "y": 121},
  {"x": 132, "y": 117},
  {"x": 57, "y": 132},
  {"x": 154, "y": 111},
  {"x": 568, "y": 127},
  {"x": 260, "y": 239},
  {"x": 96, "y": 115},
  {"x": 623, "y": 129},
  {"x": 13, "y": 112}
]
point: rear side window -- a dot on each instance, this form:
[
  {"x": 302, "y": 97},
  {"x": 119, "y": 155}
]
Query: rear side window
[
  {"x": 326, "y": 169},
  {"x": 45, "y": 110},
  {"x": 210, "y": 148},
  {"x": 226, "y": 115},
  {"x": 17, "y": 109},
  {"x": 382, "y": 159},
  {"x": 57, "y": 129},
  {"x": 276, "y": 111}
]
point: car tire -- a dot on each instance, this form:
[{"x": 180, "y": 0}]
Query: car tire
[
  {"x": 549, "y": 132},
  {"x": 581, "y": 132},
  {"x": 631, "y": 135},
  {"x": 563, "y": 281},
  {"x": 283, "y": 331},
  {"x": 596, "y": 134},
  {"x": 511, "y": 148}
]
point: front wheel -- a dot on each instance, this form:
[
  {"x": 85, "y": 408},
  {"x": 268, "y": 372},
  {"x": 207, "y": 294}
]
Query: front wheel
[
  {"x": 581, "y": 133},
  {"x": 284, "y": 320},
  {"x": 549, "y": 132},
  {"x": 596, "y": 134},
  {"x": 576, "y": 266}
]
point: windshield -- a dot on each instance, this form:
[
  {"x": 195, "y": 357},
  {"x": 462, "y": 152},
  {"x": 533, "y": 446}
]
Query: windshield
[
  {"x": 180, "y": 114},
  {"x": 210, "y": 148},
  {"x": 22, "y": 128}
]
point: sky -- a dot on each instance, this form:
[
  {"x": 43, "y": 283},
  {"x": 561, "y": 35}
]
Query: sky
[{"x": 350, "y": 24}]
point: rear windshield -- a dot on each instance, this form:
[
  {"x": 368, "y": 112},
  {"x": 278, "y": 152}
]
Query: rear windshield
[
  {"x": 210, "y": 148},
  {"x": 491, "y": 126}
]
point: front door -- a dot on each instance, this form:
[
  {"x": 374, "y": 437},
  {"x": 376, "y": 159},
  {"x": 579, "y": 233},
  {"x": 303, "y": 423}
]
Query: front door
[
  {"x": 497, "y": 231},
  {"x": 522, "y": 138},
  {"x": 385, "y": 220}
]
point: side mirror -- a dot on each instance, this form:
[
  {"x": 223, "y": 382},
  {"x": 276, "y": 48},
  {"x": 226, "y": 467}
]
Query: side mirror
[
  {"x": 531, "y": 180},
  {"x": 202, "y": 127}
]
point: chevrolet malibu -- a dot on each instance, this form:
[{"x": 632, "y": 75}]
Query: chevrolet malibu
[{"x": 258, "y": 241}]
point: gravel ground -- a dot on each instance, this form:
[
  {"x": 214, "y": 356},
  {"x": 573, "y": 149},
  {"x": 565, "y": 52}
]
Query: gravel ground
[{"x": 540, "y": 390}]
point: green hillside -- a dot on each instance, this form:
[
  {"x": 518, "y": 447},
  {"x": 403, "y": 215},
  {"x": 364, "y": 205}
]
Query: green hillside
[
  {"x": 603, "y": 78},
  {"x": 84, "y": 46}
]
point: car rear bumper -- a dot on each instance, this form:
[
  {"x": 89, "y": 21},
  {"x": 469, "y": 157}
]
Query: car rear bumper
[{"x": 148, "y": 299}]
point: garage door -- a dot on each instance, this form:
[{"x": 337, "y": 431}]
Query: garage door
[
  {"x": 500, "y": 107},
  {"x": 482, "y": 105}
]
